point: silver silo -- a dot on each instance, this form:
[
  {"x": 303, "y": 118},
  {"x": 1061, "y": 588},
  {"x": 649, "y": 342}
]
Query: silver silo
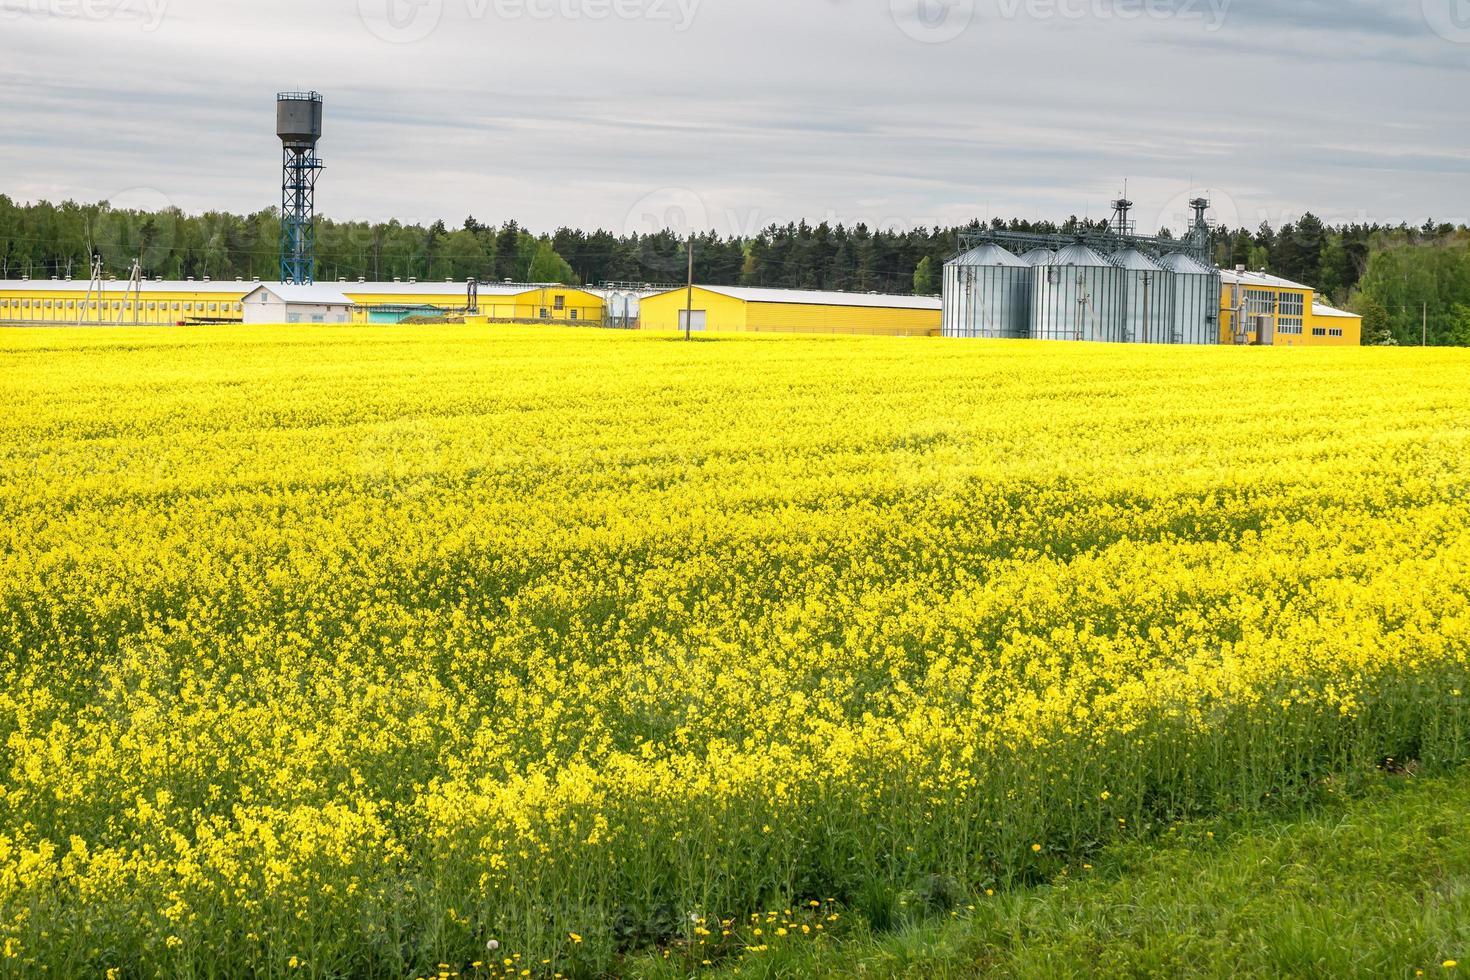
[
  {"x": 1038, "y": 256},
  {"x": 1077, "y": 296},
  {"x": 1196, "y": 300},
  {"x": 1148, "y": 298},
  {"x": 987, "y": 293}
]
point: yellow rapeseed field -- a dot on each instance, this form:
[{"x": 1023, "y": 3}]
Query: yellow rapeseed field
[{"x": 353, "y": 652}]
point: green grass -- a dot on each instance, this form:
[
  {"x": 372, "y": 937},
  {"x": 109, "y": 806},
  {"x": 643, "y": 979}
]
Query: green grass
[{"x": 1376, "y": 887}]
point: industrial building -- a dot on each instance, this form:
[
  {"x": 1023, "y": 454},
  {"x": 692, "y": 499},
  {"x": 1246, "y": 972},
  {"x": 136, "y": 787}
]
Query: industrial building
[
  {"x": 161, "y": 303},
  {"x": 1117, "y": 286},
  {"x": 382, "y": 302},
  {"x": 1256, "y": 308},
  {"x": 727, "y": 309},
  {"x": 1114, "y": 286},
  {"x": 150, "y": 302}
]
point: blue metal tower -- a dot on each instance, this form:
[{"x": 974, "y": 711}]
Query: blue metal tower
[{"x": 299, "y": 125}]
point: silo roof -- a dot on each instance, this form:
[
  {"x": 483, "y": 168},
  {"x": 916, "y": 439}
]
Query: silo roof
[
  {"x": 1179, "y": 262},
  {"x": 1079, "y": 254},
  {"x": 1038, "y": 256},
  {"x": 1134, "y": 260},
  {"x": 988, "y": 254}
]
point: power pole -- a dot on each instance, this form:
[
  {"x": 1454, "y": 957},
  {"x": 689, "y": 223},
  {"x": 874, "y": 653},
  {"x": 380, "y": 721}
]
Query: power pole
[{"x": 689, "y": 296}]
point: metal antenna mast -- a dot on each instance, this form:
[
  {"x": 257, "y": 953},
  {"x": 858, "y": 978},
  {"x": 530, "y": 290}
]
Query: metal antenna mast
[{"x": 299, "y": 125}]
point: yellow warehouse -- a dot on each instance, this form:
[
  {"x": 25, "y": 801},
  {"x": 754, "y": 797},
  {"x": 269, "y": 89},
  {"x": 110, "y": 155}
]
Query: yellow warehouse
[
  {"x": 1289, "y": 310},
  {"x": 152, "y": 303},
  {"x": 724, "y": 309}
]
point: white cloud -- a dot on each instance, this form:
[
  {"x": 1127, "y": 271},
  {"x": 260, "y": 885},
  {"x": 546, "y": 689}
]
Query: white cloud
[{"x": 572, "y": 112}]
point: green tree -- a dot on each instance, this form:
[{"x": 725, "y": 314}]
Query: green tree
[
  {"x": 1459, "y": 334},
  {"x": 548, "y": 266},
  {"x": 1377, "y": 330},
  {"x": 926, "y": 283}
]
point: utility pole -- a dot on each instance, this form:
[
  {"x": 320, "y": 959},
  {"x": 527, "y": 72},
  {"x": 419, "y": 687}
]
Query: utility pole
[{"x": 689, "y": 296}]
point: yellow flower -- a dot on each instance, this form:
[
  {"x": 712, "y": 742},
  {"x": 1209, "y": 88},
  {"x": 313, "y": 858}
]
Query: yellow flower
[{"x": 574, "y": 937}]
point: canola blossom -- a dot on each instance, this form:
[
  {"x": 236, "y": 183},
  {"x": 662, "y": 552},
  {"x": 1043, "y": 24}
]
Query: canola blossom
[{"x": 402, "y": 651}]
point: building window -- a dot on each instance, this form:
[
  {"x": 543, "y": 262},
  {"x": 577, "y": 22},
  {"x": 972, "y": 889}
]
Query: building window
[
  {"x": 1290, "y": 325},
  {"x": 1319, "y": 331},
  {"x": 176, "y": 307},
  {"x": 1260, "y": 301},
  {"x": 1293, "y": 304},
  {"x": 544, "y": 314},
  {"x": 71, "y": 304},
  {"x": 574, "y": 314},
  {"x": 1334, "y": 333},
  {"x": 559, "y": 303}
]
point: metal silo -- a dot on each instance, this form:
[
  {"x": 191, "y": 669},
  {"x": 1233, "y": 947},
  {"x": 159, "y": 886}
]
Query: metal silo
[
  {"x": 1196, "y": 300},
  {"x": 1077, "y": 296},
  {"x": 987, "y": 293},
  {"x": 1038, "y": 256},
  {"x": 1148, "y": 299}
]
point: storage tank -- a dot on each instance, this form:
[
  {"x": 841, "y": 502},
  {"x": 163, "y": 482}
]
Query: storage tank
[
  {"x": 299, "y": 119},
  {"x": 1196, "y": 300},
  {"x": 1038, "y": 256},
  {"x": 987, "y": 293},
  {"x": 1148, "y": 299},
  {"x": 1077, "y": 296}
]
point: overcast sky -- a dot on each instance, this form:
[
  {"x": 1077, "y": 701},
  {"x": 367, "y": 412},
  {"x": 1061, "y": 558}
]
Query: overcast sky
[{"x": 730, "y": 114}]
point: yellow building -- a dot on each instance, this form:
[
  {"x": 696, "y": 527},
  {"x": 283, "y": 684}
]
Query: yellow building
[
  {"x": 1328, "y": 326},
  {"x": 166, "y": 303},
  {"x": 496, "y": 301},
  {"x": 153, "y": 303},
  {"x": 1286, "y": 313},
  {"x": 724, "y": 309}
]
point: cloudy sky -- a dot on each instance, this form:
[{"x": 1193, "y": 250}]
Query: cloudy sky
[{"x": 730, "y": 114}]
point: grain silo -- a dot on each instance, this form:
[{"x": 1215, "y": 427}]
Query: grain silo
[
  {"x": 987, "y": 293},
  {"x": 1078, "y": 295},
  {"x": 1196, "y": 288},
  {"x": 1038, "y": 256},
  {"x": 1148, "y": 299}
]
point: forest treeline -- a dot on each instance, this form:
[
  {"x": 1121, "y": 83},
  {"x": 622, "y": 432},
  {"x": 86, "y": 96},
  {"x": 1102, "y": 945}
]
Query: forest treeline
[{"x": 1401, "y": 277}]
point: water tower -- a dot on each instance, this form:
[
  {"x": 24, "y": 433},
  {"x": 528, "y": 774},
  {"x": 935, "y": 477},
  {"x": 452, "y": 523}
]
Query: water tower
[{"x": 299, "y": 125}]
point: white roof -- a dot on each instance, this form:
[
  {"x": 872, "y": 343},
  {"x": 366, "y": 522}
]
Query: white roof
[
  {"x": 812, "y": 297},
  {"x": 243, "y": 287},
  {"x": 438, "y": 288},
  {"x": 1321, "y": 309},
  {"x": 221, "y": 287},
  {"x": 1259, "y": 279},
  {"x": 292, "y": 293}
]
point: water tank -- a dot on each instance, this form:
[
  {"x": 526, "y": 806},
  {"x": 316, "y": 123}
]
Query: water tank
[
  {"x": 1148, "y": 299},
  {"x": 987, "y": 293},
  {"x": 1196, "y": 300},
  {"x": 299, "y": 118},
  {"x": 1077, "y": 296}
]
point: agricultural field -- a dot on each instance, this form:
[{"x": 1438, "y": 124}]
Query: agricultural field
[{"x": 331, "y": 652}]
